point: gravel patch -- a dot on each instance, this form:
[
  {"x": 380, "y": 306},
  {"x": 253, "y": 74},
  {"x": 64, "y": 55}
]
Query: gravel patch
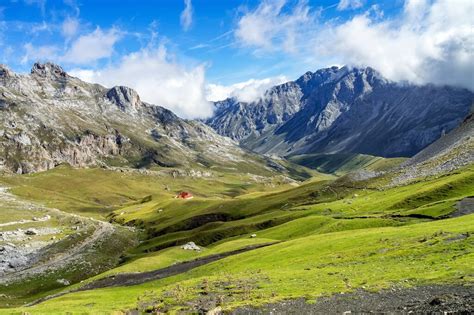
[
  {"x": 464, "y": 207},
  {"x": 433, "y": 299}
]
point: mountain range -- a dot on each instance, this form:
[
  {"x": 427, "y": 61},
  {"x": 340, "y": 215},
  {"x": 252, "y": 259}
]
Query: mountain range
[
  {"x": 49, "y": 118},
  {"x": 243, "y": 209},
  {"x": 349, "y": 110}
]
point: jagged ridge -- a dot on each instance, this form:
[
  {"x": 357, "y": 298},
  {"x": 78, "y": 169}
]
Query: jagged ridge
[
  {"x": 343, "y": 110},
  {"x": 49, "y": 117}
]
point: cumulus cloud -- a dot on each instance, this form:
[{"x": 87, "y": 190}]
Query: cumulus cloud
[
  {"x": 158, "y": 79},
  {"x": 91, "y": 47},
  {"x": 270, "y": 27},
  {"x": 248, "y": 91},
  {"x": 186, "y": 18},
  {"x": 87, "y": 75},
  {"x": 431, "y": 42},
  {"x": 349, "y": 4}
]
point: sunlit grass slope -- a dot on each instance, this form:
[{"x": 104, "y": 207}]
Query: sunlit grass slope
[
  {"x": 331, "y": 235},
  {"x": 98, "y": 191},
  {"x": 343, "y": 163},
  {"x": 374, "y": 258},
  {"x": 171, "y": 223}
]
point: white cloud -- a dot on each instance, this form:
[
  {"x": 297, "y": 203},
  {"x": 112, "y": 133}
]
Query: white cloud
[
  {"x": 349, "y": 4},
  {"x": 187, "y": 15},
  {"x": 429, "y": 42},
  {"x": 85, "y": 49},
  {"x": 85, "y": 74},
  {"x": 248, "y": 91},
  {"x": 70, "y": 27},
  {"x": 39, "y": 53},
  {"x": 158, "y": 80},
  {"x": 269, "y": 27},
  {"x": 92, "y": 47}
]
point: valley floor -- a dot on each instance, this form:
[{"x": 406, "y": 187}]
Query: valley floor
[{"x": 330, "y": 244}]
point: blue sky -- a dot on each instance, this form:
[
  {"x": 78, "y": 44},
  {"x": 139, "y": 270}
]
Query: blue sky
[
  {"x": 214, "y": 49},
  {"x": 208, "y": 39}
]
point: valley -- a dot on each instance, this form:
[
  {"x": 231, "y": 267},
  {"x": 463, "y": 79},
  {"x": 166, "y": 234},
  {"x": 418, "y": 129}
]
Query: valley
[
  {"x": 257, "y": 157},
  {"x": 112, "y": 205},
  {"x": 330, "y": 234}
]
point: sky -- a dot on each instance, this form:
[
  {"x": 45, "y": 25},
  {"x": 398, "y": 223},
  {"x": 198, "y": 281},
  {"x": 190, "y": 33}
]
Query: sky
[{"x": 183, "y": 54}]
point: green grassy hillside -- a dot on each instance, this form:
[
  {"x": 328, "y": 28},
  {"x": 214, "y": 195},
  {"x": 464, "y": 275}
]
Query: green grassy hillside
[
  {"x": 97, "y": 192},
  {"x": 343, "y": 163},
  {"x": 374, "y": 258},
  {"x": 326, "y": 235}
]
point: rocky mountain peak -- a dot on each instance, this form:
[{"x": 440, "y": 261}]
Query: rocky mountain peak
[
  {"x": 48, "y": 70},
  {"x": 124, "y": 97},
  {"x": 4, "y": 71},
  {"x": 335, "y": 74},
  {"x": 307, "y": 76},
  {"x": 371, "y": 75}
]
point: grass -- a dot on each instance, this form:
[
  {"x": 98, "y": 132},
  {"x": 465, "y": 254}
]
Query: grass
[
  {"x": 94, "y": 259},
  {"x": 206, "y": 221},
  {"x": 334, "y": 235},
  {"x": 312, "y": 266},
  {"x": 433, "y": 197},
  {"x": 321, "y": 225},
  {"x": 173, "y": 255},
  {"x": 343, "y": 163},
  {"x": 96, "y": 192}
]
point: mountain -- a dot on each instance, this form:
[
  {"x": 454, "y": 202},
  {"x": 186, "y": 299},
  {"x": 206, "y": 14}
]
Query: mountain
[
  {"x": 450, "y": 152},
  {"x": 343, "y": 110},
  {"x": 48, "y": 118},
  {"x": 95, "y": 240}
]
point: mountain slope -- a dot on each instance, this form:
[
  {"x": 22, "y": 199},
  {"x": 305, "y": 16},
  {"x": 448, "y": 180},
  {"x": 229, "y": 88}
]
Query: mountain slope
[
  {"x": 450, "y": 152},
  {"x": 239, "y": 120},
  {"x": 343, "y": 110},
  {"x": 48, "y": 118},
  {"x": 343, "y": 163}
]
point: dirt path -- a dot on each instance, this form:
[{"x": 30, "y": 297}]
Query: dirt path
[
  {"x": 102, "y": 231},
  {"x": 434, "y": 299},
  {"x": 128, "y": 279},
  {"x": 24, "y": 221}
]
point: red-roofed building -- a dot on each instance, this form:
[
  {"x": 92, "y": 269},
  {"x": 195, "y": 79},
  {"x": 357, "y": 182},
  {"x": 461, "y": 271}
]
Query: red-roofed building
[{"x": 184, "y": 195}]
